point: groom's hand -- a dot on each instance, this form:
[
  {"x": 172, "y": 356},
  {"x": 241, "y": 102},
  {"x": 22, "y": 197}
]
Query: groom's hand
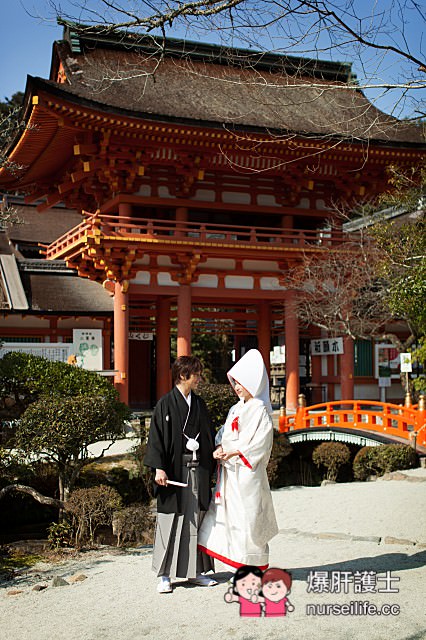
[{"x": 161, "y": 477}]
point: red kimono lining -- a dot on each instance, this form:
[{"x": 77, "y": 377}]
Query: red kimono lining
[{"x": 231, "y": 563}]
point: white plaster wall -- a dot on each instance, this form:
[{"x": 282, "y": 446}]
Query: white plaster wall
[
  {"x": 142, "y": 277},
  {"x": 145, "y": 190},
  {"x": 206, "y": 195},
  {"x": 164, "y": 280},
  {"x": 259, "y": 265},
  {"x": 218, "y": 263},
  {"x": 239, "y": 282},
  {"x": 163, "y": 192},
  {"x": 207, "y": 280},
  {"x": 164, "y": 261},
  {"x": 267, "y": 200},
  {"x": 235, "y": 197},
  {"x": 270, "y": 284}
]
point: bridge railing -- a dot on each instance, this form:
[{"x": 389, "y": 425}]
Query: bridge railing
[{"x": 382, "y": 417}]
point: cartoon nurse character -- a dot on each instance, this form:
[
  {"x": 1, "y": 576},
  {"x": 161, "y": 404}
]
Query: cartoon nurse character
[
  {"x": 276, "y": 584},
  {"x": 246, "y": 585}
]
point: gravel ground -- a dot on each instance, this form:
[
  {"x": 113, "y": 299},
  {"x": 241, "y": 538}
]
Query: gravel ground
[{"x": 330, "y": 532}]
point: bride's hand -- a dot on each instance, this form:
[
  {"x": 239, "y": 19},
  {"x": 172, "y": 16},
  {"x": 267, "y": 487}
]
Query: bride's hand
[
  {"x": 229, "y": 455},
  {"x": 218, "y": 453}
]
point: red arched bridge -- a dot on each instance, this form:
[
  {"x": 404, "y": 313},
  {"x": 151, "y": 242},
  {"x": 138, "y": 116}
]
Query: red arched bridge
[{"x": 359, "y": 421}]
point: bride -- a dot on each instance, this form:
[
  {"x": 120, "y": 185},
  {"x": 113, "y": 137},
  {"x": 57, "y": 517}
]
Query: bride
[{"x": 241, "y": 518}]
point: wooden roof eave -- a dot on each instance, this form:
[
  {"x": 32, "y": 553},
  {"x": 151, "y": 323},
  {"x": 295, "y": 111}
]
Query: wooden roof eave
[
  {"x": 61, "y": 92},
  {"x": 24, "y": 150},
  {"x": 48, "y": 107},
  {"x": 24, "y": 115},
  {"x": 68, "y": 106}
]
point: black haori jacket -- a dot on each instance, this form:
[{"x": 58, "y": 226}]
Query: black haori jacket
[{"x": 166, "y": 444}]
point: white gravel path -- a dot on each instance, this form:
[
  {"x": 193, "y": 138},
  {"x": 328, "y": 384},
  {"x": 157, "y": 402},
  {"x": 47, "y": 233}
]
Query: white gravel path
[{"x": 118, "y": 600}]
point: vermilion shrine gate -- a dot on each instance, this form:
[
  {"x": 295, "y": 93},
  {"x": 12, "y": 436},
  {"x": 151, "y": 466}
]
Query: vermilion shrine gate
[{"x": 202, "y": 176}]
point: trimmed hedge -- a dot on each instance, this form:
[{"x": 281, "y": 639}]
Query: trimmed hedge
[
  {"x": 25, "y": 378},
  {"x": 331, "y": 455},
  {"x": 383, "y": 459}
]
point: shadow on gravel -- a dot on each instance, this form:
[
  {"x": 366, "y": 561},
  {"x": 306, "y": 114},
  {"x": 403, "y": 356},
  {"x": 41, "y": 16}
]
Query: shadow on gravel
[{"x": 387, "y": 562}]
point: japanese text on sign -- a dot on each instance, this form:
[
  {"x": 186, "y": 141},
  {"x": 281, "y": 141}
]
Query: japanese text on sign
[{"x": 327, "y": 346}]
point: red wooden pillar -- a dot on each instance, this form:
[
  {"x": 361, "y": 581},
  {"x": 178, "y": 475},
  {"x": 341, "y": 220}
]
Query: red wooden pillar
[
  {"x": 291, "y": 355},
  {"x": 184, "y": 321},
  {"x": 163, "y": 347},
  {"x": 264, "y": 332},
  {"x": 121, "y": 341},
  {"x": 53, "y": 329},
  {"x": 347, "y": 370},
  {"x": 287, "y": 222},
  {"x": 181, "y": 219},
  {"x": 125, "y": 209}
]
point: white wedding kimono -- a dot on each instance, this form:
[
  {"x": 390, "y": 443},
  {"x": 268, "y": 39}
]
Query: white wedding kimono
[{"x": 241, "y": 518}]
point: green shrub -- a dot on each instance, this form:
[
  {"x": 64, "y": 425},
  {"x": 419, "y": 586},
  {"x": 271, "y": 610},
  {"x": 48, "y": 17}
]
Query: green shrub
[
  {"x": 281, "y": 448},
  {"x": 219, "y": 398},
  {"x": 25, "y": 378},
  {"x": 133, "y": 524},
  {"x": 63, "y": 428},
  {"x": 331, "y": 455},
  {"x": 383, "y": 459},
  {"x": 90, "y": 508},
  {"x": 60, "y": 534},
  {"x": 366, "y": 463},
  {"x": 397, "y": 456}
]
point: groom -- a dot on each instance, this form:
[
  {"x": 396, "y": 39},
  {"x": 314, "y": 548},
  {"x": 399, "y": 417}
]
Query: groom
[{"x": 180, "y": 449}]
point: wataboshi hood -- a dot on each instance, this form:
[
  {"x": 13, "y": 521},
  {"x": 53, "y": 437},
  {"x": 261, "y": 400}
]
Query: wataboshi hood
[{"x": 250, "y": 372}]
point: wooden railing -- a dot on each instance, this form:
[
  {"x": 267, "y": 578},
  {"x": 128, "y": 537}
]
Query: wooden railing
[
  {"x": 388, "y": 419},
  {"x": 145, "y": 228}
]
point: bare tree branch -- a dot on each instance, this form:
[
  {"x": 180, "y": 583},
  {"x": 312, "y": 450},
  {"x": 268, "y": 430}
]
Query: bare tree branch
[
  {"x": 339, "y": 291},
  {"x": 52, "y": 502},
  {"x": 377, "y": 38}
]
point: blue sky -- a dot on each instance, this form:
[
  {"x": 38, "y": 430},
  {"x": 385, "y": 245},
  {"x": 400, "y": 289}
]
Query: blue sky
[
  {"x": 28, "y": 29},
  {"x": 25, "y": 44}
]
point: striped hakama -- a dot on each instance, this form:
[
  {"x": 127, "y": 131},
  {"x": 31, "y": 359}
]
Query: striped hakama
[{"x": 175, "y": 546}]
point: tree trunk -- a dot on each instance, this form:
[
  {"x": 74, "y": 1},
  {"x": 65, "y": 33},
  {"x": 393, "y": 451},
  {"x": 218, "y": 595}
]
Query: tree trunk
[{"x": 53, "y": 502}]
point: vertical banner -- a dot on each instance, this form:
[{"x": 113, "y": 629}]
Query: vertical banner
[
  {"x": 406, "y": 364},
  {"x": 87, "y": 345}
]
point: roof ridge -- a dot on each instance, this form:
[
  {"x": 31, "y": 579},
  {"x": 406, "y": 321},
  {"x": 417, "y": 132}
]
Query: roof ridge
[{"x": 81, "y": 36}]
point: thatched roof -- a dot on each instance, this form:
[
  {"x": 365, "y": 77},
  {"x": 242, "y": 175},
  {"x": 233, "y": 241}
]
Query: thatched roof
[
  {"x": 205, "y": 83},
  {"x": 66, "y": 293},
  {"x": 33, "y": 227}
]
